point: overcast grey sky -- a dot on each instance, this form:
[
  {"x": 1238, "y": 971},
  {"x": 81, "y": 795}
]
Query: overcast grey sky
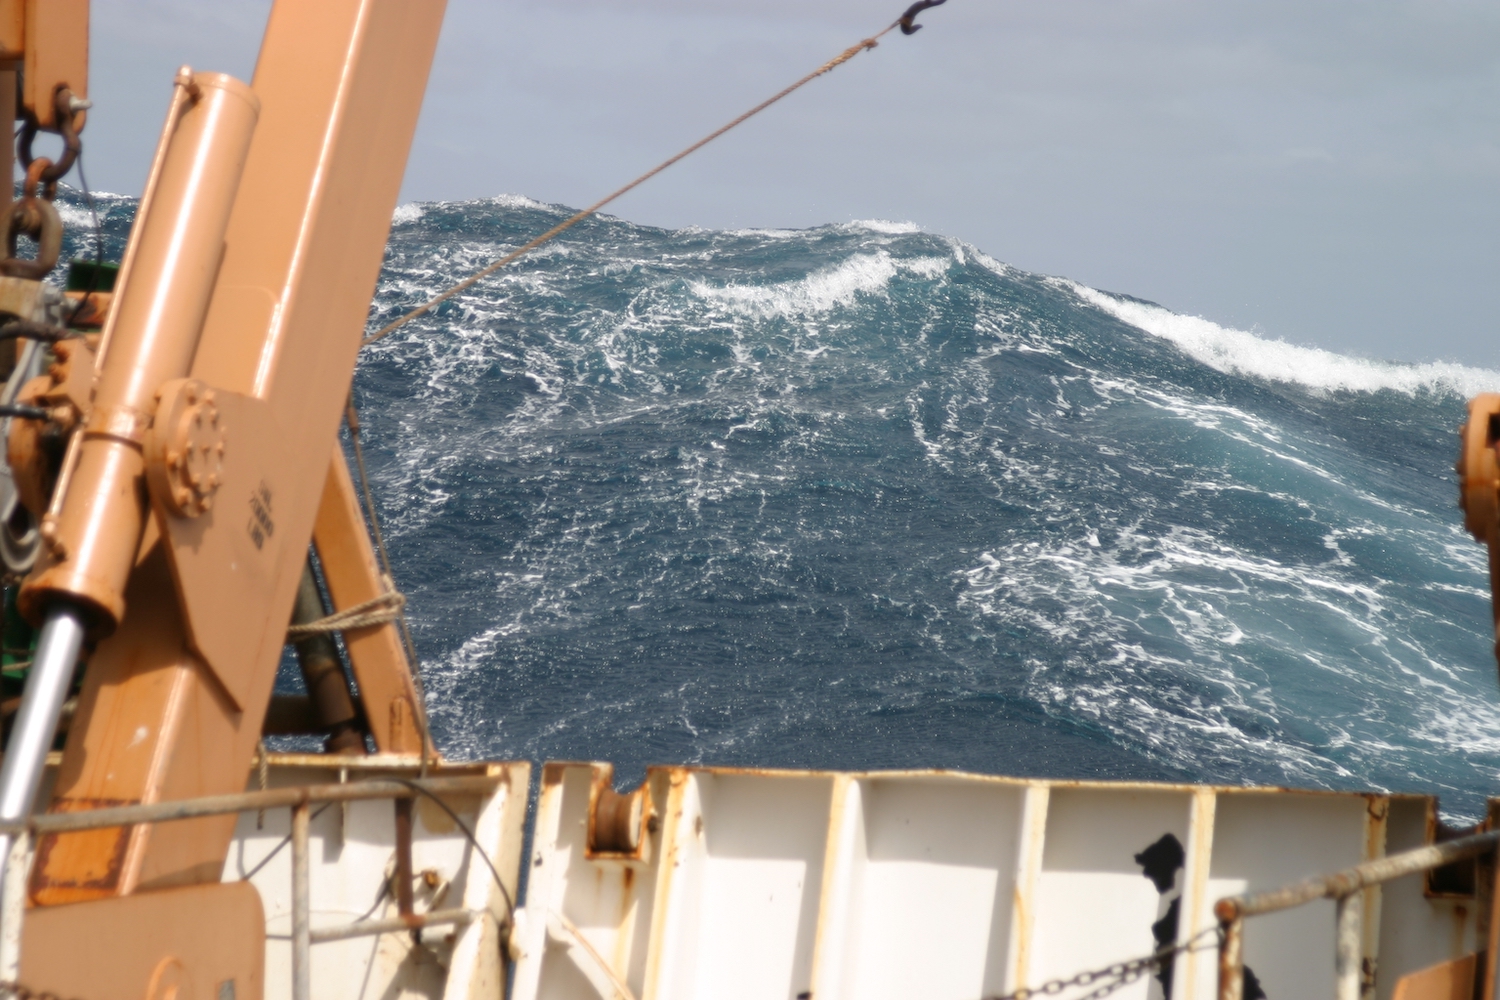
[{"x": 1323, "y": 171}]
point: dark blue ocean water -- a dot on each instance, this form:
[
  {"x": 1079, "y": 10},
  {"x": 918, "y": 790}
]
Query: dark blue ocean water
[{"x": 862, "y": 497}]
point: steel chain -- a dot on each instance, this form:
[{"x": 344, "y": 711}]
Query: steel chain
[
  {"x": 48, "y": 173},
  {"x": 19, "y": 991},
  {"x": 1120, "y": 974}
]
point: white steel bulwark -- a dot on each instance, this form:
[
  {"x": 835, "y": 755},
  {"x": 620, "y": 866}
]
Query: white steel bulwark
[{"x": 780, "y": 885}]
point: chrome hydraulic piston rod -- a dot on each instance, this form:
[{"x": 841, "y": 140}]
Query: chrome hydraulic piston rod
[{"x": 47, "y": 685}]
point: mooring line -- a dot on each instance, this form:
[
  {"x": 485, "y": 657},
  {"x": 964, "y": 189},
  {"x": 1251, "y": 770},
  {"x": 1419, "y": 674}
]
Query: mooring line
[{"x": 904, "y": 22}]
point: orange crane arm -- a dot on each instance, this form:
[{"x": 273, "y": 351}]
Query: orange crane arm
[{"x": 181, "y": 526}]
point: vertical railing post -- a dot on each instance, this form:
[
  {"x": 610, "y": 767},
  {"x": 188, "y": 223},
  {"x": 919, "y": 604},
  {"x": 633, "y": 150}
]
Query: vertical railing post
[
  {"x": 301, "y": 906},
  {"x": 404, "y": 902},
  {"x": 13, "y": 906},
  {"x": 1232, "y": 959},
  {"x": 1349, "y": 957},
  {"x": 1491, "y": 985}
]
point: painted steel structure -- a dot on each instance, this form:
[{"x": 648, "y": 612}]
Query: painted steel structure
[{"x": 767, "y": 884}]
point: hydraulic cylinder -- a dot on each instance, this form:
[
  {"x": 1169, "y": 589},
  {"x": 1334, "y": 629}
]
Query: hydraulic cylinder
[{"x": 94, "y": 527}]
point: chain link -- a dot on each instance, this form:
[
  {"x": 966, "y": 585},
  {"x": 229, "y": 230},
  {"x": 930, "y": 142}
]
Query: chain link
[
  {"x": 1116, "y": 976},
  {"x": 18, "y": 991}
]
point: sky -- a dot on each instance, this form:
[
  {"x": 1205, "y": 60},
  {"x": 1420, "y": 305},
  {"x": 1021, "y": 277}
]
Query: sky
[{"x": 1319, "y": 171}]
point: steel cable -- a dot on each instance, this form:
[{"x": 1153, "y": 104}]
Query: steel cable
[{"x": 903, "y": 22}]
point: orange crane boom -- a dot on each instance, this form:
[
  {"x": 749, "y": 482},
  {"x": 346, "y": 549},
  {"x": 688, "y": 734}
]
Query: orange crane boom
[{"x": 197, "y": 470}]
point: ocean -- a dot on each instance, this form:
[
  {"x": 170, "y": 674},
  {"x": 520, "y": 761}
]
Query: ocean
[{"x": 860, "y": 496}]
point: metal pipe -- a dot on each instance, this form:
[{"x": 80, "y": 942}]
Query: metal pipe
[
  {"x": 1232, "y": 960},
  {"x": 1353, "y": 879},
  {"x": 47, "y": 687},
  {"x": 31, "y": 737},
  {"x": 365, "y": 928},
  {"x": 323, "y": 674},
  {"x": 36, "y": 722},
  {"x": 8, "y": 153},
  {"x": 301, "y": 906},
  {"x": 13, "y": 907},
  {"x": 217, "y": 805},
  {"x": 1348, "y": 957}
]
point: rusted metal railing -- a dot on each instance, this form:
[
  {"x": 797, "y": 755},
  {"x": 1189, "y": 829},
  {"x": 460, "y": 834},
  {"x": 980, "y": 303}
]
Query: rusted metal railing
[
  {"x": 22, "y": 835},
  {"x": 1346, "y": 888}
]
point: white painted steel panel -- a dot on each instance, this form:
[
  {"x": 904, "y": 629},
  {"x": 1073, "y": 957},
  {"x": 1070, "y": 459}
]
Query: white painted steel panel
[
  {"x": 878, "y": 886},
  {"x": 1091, "y": 882},
  {"x": 935, "y": 875},
  {"x": 747, "y": 854}
]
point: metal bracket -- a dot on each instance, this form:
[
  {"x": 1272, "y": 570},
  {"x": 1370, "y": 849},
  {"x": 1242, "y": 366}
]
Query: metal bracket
[{"x": 222, "y": 556}]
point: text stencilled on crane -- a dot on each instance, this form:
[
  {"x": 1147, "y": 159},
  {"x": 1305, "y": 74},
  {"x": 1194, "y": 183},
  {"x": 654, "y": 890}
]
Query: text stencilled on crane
[{"x": 260, "y": 525}]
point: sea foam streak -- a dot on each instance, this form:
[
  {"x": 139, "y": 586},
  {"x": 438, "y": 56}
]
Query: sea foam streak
[
  {"x": 1240, "y": 351},
  {"x": 861, "y": 496}
]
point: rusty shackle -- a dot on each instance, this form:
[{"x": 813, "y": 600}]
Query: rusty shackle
[
  {"x": 37, "y": 218},
  {"x": 70, "y": 122}
]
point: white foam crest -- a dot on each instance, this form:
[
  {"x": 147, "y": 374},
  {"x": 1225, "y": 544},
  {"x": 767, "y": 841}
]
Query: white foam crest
[
  {"x": 999, "y": 268},
  {"x": 517, "y": 201},
  {"x": 1244, "y": 353},
  {"x": 405, "y": 215},
  {"x": 883, "y": 226},
  {"x": 76, "y": 216},
  {"x": 775, "y": 234},
  {"x": 822, "y": 290}
]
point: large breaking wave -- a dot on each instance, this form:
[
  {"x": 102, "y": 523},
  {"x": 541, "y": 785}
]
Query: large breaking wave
[{"x": 861, "y": 496}]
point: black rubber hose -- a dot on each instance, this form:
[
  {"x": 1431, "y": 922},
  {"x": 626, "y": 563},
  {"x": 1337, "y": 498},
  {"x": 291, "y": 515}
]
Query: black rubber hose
[{"x": 35, "y": 331}]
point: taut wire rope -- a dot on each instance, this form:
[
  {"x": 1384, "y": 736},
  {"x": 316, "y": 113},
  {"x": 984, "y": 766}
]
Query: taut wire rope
[{"x": 904, "y": 22}]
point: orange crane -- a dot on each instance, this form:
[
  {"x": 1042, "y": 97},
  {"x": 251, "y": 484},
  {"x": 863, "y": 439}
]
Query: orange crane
[{"x": 199, "y": 427}]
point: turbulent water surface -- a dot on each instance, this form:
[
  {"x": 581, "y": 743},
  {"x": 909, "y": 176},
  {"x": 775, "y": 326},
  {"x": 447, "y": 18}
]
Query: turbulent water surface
[{"x": 863, "y": 497}]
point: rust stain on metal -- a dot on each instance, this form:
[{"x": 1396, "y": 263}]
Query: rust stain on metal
[
  {"x": 1377, "y": 810},
  {"x": 1458, "y": 942},
  {"x": 97, "y": 856},
  {"x": 681, "y": 772},
  {"x": 616, "y": 820},
  {"x": 403, "y": 875}
]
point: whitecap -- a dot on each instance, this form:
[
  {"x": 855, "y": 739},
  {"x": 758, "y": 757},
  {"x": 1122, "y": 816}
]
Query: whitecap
[
  {"x": 1245, "y": 353},
  {"x": 824, "y": 289},
  {"x": 518, "y": 201},
  {"x": 820, "y": 291},
  {"x": 405, "y": 215},
  {"x": 76, "y": 217},
  {"x": 883, "y": 226}
]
